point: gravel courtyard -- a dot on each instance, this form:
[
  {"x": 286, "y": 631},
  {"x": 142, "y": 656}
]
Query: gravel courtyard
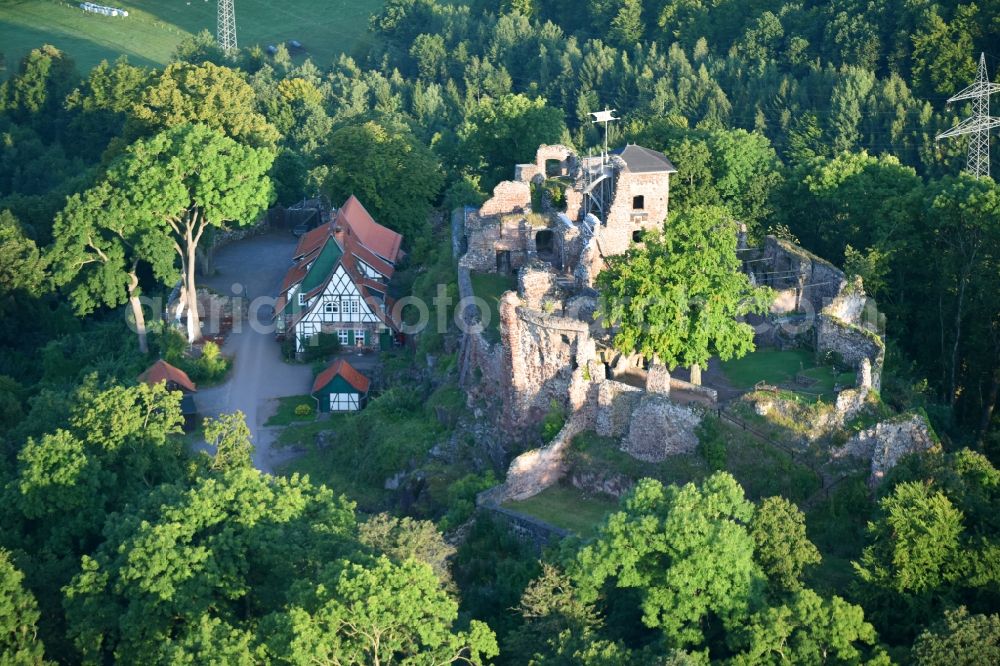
[{"x": 253, "y": 268}]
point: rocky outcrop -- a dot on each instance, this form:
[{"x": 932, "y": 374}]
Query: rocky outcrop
[
  {"x": 885, "y": 443},
  {"x": 660, "y": 428}
]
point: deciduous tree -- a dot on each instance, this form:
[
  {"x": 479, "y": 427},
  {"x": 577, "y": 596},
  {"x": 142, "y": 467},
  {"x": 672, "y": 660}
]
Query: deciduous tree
[
  {"x": 99, "y": 245},
  {"x": 782, "y": 548},
  {"x": 19, "y": 644},
  {"x": 687, "y": 552},
  {"x": 681, "y": 295},
  {"x": 391, "y": 173},
  {"x": 184, "y": 180},
  {"x": 230, "y": 436}
]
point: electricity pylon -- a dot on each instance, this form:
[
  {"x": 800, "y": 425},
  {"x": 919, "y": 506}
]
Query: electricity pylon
[
  {"x": 227, "y": 26},
  {"x": 978, "y": 126}
]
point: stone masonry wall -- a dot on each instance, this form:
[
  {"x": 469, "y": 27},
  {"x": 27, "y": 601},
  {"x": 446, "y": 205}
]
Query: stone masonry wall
[
  {"x": 542, "y": 353},
  {"x": 852, "y": 343},
  {"x": 488, "y": 236},
  {"x": 660, "y": 428},
  {"x": 886, "y": 442},
  {"x": 533, "y": 471},
  {"x": 804, "y": 282},
  {"x": 508, "y": 197},
  {"x": 615, "y": 403},
  {"x": 615, "y": 236}
]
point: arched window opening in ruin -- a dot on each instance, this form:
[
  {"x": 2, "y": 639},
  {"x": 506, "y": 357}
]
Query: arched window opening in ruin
[
  {"x": 553, "y": 168},
  {"x": 637, "y": 235},
  {"x": 543, "y": 242},
  {"x": 639, "y": 202}
]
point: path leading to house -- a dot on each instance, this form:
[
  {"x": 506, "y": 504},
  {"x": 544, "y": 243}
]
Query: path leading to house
[{"x": 255, "y": 267}]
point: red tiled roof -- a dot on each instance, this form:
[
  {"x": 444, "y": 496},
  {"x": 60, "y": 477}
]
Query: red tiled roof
[
  {"x": 345, "y": 370},
  {"x": 313, "y": 240},
  {"x": 352, "y": 245},
  {"x": 381, "y": 240},
  {"x": 294, "y": 276},
  {"x": 161, "y": 371}
]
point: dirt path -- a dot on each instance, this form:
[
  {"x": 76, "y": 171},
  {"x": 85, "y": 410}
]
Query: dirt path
[{"x": 255, "y": 267}]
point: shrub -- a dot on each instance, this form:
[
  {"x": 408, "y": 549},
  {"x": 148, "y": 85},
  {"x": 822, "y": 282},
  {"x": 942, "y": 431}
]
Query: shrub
[
  {"x": 554, "y": 421},
  {"x": 303, "y": 410},
  {"x": 212, "y": 366},
  {"x": 320, "y": 346},
  {"x": 462, "y": 498},
  {"x": 712, "y": 444}
]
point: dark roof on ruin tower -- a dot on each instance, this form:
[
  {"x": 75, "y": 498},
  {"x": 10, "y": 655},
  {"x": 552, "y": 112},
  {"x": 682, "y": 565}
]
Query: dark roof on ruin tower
[{"x": 644, "y": 160}]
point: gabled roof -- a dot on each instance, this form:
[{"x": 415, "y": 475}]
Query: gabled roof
[
  {"x": 353, "y": 245},
  {"x": 644, "y": 160},
  {"x": 313, "y": 240},
  {"x": 354, "y": 219},
  {"x": 344, "y": 369},
  {"x": 161, "y": 371},
  {"x": 322, "y": 267}
]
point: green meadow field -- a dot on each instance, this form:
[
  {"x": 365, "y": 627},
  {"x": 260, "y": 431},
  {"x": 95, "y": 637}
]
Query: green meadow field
[{"x": 154, "y": 27}]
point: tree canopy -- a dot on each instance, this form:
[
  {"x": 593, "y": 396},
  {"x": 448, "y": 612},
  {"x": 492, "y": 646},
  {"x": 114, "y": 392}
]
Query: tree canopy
[{"x": 680, "y": 295}]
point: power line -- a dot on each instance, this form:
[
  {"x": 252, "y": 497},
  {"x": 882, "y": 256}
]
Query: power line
[{"x": 979, "y": 124}]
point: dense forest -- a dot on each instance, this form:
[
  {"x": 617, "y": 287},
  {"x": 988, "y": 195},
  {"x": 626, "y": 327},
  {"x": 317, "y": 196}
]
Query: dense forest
[{"x": 811, "y": 121}]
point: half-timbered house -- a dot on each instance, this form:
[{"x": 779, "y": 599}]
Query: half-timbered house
[{"x": 338, "y": 283}]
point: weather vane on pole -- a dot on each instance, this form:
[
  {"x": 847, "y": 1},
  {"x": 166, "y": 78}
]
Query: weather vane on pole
[{"x": 604, "y": 117}]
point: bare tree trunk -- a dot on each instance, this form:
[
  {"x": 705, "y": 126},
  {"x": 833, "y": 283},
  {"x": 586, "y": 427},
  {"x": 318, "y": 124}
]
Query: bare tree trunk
[
  {"x": 696, "y": 374},
  {"x": 137, "y": 315},
  {"x": 988, "y": 406},
  {"x": 952, "y": 389},
  {"x": 193, "y": 321}
]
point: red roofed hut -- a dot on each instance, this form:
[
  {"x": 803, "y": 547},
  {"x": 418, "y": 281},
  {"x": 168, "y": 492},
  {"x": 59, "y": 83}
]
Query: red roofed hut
[
  {"x": 176, "y": 380},
  {"x": 340, "y": 388}
]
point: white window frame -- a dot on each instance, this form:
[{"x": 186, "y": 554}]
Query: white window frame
[
  {"x": 342, "y": 335},
  {"x": 359, "y": 337},
  {"x": 344, "y": 402},
  {"x": 355, "y": 306},
  {"x": 302, "y": 298},
  {"x": 331, "y": 306}
]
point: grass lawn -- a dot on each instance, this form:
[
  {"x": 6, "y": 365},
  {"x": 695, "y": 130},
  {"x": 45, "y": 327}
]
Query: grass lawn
[
  {"x": 154, "y": 27},
  {"x": 286, "y": 410},
  {"x": 324, "y": 467},
  {"x": 780, "y": 368},
  {"x": 567, "y": 507},
  {"x": 490, "y": 287}
]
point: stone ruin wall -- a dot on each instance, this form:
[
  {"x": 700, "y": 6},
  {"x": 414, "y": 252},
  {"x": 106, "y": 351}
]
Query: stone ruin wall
[
  {"x": 804, "y": 282},
  {"x": 509, "y": 196},
  {"x": 544, "y": 357},
  {"x": 885, "y": 443},
  {"x": 649, "y": 426},
  {"x": 659, "y": 428},
  {"x": 615, "y": 236},
  {"x": 488, "y": 236},
  {"x": 847, "y": 326}
]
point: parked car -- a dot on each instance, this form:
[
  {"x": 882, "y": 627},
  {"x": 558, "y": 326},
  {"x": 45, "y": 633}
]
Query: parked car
[{"x": 293, "y": 44}]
